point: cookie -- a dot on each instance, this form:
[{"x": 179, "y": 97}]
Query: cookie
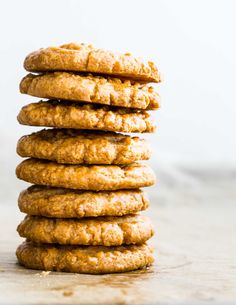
[
  {"x": 98, "y": 231},
  {"x": 86, "y": 58},
  {"x": 85, "y": 259},
  {"x": 66, "y": 203},
  {"x": 90, "y": 89},
  {"x": 85, "y": 177},
  {"x": 73, "y": 115},
  {"x": 72, "y": 146}
]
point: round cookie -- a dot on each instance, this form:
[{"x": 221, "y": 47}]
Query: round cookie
[
  {"x": 99, "y": 231},
  {"x": 86, "y": 58},
  {"x": 87, "y": 116},
  {"x": 90, "y": 89},
  {"x": 85, "y": 177},
  {"x": 72, "y": 146},
  {"x": 87, "y": 259},
  {"x": 66, "y": 203}
]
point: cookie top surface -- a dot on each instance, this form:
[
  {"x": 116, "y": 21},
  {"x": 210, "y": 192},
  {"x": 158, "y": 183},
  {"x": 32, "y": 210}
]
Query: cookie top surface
[
  {"x": 105, "y": 231},
  {"x": 87, "y": 58},
  {"x": 90, "y": 89},
  {"x": 66, "y": 203},
  {"x": 85, "y": 177},
  {"x": 84, "y": 259},
  {"x": 83, "y": 147},
  {"x": 85, "y": 116}
]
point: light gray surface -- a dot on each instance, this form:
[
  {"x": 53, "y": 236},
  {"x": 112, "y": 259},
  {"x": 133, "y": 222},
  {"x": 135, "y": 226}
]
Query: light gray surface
[{"x": 194, "y": 215}]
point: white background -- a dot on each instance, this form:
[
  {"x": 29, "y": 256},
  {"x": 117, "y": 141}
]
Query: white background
[{"x": 192, "y": 42}]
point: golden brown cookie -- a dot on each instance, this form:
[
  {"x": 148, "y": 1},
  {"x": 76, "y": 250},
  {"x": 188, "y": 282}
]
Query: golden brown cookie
[
  {"x": 72, "y": 115},
  {"x": 96, "y": 231},
  {"x": 73, "y": 146},
  {"x": 90, "y": 89},
  {"x": 84, "y": 259},
  {"x": 85, "y": 177},
  {"x": 66, "y": 203},
  {"x": 86, "y": 58}
]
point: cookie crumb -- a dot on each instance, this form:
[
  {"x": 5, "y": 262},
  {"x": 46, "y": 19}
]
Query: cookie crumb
[
  {"x": 67, "y": 293},
  {"x": 43, "y": 273}
]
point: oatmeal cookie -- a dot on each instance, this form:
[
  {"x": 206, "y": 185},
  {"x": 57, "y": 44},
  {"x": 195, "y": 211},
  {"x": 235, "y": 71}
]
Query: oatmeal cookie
[
  {"x": 86, "y": 58},
  {"x": 90, "y": 89},
  {"x": 84, "y": 259},
  {"x": 87, "y": 116},
  {"x": 73, "y": 146},
  {"x": 86, "y": 177},
  {"x": 96, "y": 231},
  {"x": 66, "y": 203}
]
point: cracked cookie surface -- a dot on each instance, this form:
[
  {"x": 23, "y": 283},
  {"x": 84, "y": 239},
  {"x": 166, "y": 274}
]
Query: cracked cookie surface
[
  {"x": 72, "y": 146},
  {"x": 90, "y": 89},
  {"x": 86, "y": 177},
  {"x": 87, "y": 116},
  {"x": 98, "y": 231},
  {"x": 87, "y": 58},
  {"x": 86, "y": 259},
  {"x": 66, "y": 203}
]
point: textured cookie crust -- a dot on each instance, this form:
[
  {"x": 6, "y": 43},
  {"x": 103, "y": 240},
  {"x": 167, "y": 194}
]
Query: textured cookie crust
[
  {"x": 77, "y": 116},
  {"x": 86, "y": 259},
  {"x": 85, "y": 177},
  {"x": 99, "y": 231},
  {"x": 90, "y": 89},
  {"x": 86, "y": 58},
  {"x": 66, "y": 203},
  {"x": 76, "y": 147}
]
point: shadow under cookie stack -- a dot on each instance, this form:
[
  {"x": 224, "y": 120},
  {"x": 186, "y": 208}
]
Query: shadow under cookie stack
[{"x": 83, "y": 209}]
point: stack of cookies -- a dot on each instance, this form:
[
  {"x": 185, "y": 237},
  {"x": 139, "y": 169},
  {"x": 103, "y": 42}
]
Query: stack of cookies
[{"x": 83, "y": 209}]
